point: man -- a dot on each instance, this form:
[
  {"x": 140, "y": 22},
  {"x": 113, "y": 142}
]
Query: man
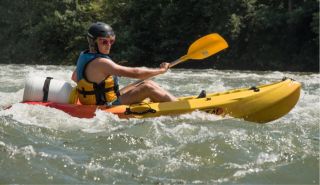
[{"x": 96, "y": 74}]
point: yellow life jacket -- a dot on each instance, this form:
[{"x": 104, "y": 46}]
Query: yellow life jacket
[{"x": 91, "y": 93}]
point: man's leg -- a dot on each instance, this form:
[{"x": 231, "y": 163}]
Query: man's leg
[{"x": 146, "y": 89}]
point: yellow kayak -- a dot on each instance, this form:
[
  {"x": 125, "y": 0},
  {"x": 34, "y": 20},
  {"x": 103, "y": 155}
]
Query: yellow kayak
[{"x": 259, "y": 104}]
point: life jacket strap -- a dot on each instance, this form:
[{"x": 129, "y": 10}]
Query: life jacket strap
[
  {"x": 99, "y": 92},
  {"x": 85, "y": 92}
]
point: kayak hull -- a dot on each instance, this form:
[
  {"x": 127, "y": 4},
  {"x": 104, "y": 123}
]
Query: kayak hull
[{"x": 256, "y": 104}]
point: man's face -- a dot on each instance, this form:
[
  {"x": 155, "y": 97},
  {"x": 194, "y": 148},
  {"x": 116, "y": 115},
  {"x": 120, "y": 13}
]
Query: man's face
[{"x": 104, "y": 43}]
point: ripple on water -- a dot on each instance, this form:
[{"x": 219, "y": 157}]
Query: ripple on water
[{"x": 53, "y": 147}]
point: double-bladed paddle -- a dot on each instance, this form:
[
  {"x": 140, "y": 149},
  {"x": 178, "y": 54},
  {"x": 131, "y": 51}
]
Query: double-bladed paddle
[{"x": 200, "y": 49}]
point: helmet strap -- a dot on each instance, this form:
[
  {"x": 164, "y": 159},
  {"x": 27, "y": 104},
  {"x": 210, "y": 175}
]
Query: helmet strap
[
  {"x": 96, "y": 46},
  {"x": 93, "y": 44}
]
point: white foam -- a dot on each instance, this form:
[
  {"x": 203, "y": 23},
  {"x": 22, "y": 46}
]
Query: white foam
[
  {"x": 242, "y": 173},
  {"x": 27, "y": 152},
  {"x": 10, "y": 98},
  {"x": 267, "y": 158}
]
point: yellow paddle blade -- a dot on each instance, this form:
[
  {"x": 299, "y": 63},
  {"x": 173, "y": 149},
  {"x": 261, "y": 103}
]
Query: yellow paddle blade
[
  {"x": 200, "y": 49},
  {"x": 205, "y": 47}
]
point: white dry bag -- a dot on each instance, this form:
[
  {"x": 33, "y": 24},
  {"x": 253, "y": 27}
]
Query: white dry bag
[{"x": 46, "y": 89}]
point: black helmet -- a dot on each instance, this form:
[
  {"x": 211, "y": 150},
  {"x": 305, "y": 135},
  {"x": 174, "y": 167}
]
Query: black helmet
[{"x": 100, "y": 29}]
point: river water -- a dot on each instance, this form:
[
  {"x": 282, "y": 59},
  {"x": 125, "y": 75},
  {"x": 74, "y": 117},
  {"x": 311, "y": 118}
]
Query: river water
[{"x": 43, "y": 145}]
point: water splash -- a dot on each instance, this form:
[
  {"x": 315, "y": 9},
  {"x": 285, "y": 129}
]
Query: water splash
[{"x": 198, "y": 147}]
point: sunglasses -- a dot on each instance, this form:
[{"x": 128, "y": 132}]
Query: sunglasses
[{"x": 107, "y": 41}]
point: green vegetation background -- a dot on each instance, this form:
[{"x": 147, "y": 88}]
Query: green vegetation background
[{"x": 262, "y": 34}]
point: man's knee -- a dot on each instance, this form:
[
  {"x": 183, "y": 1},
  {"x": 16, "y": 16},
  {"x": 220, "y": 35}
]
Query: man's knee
[
  {"x": 152, "y": 84},
  {"x": 148, "y": 84}
]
